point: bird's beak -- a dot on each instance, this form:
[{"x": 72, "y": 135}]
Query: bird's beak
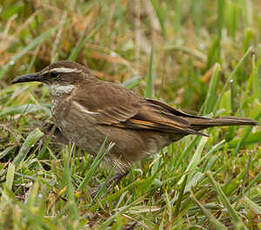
[{"x": 28, "y": 78}]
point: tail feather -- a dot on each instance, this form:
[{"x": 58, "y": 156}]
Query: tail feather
[{"x": 203, "y": 123}]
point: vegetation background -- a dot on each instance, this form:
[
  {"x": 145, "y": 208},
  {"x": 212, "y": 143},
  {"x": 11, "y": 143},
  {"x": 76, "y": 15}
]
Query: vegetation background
[{"x": 198, "y": 55}]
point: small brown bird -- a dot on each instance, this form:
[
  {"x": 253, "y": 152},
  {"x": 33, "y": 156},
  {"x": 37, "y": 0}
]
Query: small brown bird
[{"x": 87, "y": 110}]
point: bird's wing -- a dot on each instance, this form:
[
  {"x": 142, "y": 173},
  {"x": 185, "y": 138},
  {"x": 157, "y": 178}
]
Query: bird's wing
[
  {"x": 108, "y": 103},
  {"x": 161, "y": 117},
  {"x": 119, "y": 107}
]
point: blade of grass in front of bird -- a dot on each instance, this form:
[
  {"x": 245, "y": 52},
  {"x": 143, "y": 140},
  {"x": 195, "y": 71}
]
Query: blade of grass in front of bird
[
  {"x": 195, "y": 159},
  {"x": 103, "y": 189},
  {"x": 149, "y": 180},
  {"x": 102, "y": 152},
  {"x": 67, "y": 175},
  {"x": 212, "y": 150},
  {"x": 187, "y": 151},
  {"x": 29, "y": 142}
]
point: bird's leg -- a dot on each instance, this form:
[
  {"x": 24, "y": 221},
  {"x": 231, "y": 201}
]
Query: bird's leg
[
  {"x": 115, "y": 179},
  {"x": 50, "y": 129},
  {"x": 59, "y": 137},
  {"x": 110, "y": 183}
]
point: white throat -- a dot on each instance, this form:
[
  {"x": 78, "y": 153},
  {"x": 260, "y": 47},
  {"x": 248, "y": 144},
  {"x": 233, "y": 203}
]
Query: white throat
[{"x": 60, "y": 90}]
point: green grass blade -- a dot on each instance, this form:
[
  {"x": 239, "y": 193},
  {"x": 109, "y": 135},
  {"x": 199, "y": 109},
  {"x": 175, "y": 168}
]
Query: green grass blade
[
  {"x": 71, "y": 206},
  {"x": 244, "y": 138},
  {"x": 180, "y": 196},
  {"x": 83, "y": 39},
  {"x": 10, "y": 176},
  {"x": 160, "y": 15},
  {"x": 177, "y": 18},
  {"x": 29, "y": 142},
  {"x": 215, "y": 223},
  {"x": 252, "y": 205},
  {"x": 133, "y": 186},
  {"x": 252, "y": 138},
  {"x": 256, "y": 85},
  {"x": 232, "y": 76},
  {"x": 212, "y": 92},
  {"x": 196, "y": 158},
  {"x": 6, "y": 151},
  {"x": 254, "y": 181},
  {"x": 186, "y": 152},
  {"x": 221, "y": 7},
  {"x": 102, "y": 152},
  {"x": 149, "y": 83},
  {"x": 231, "y": 211},
  {"x": 20, "y": 109},
  {"x": 29, "y": 47},
  {"x": 33, "y": 197}
]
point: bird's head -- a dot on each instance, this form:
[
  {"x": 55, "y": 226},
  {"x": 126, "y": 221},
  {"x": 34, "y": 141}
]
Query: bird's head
[
  {"x": 62, "y": 72},
  {"x": 61, "y": 77}
]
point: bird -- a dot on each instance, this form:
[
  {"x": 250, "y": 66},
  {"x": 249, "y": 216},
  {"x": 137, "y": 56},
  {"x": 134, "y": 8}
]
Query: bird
[{"x": 87, "y": 110}]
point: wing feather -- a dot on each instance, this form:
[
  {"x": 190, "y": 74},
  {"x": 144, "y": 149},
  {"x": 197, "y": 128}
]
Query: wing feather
[{"x": 119, "y": 107}]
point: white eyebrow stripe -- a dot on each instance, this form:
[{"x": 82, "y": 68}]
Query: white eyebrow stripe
[
  {"x": 84, "y": 109},
  {"x": 63, "y": 70}
]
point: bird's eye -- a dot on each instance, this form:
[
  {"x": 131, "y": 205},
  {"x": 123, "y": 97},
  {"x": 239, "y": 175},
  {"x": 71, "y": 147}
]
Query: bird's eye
[{"x": 53, "y": 74}]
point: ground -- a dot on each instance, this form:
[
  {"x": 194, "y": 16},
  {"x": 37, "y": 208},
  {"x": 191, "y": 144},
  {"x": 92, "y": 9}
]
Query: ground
[{"x": 201, "y": 56}]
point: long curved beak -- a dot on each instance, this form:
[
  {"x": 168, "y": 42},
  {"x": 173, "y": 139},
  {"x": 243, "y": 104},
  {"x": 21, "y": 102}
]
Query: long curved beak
[{"x": 27, "y": 78}]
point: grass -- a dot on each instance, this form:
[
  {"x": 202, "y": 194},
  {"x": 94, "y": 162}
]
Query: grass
[{"x": 196, "y": 55}]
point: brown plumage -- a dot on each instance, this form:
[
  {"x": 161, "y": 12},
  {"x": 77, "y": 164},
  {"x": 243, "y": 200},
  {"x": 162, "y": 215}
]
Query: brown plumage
[{"x": 86, "y": 110}]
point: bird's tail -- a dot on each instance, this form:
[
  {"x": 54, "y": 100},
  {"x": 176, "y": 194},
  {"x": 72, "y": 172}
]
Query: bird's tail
[{"x": 203, "y": 123}]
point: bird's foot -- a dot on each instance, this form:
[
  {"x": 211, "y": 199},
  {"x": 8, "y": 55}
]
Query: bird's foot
[{"x": 112, "y": 182}]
